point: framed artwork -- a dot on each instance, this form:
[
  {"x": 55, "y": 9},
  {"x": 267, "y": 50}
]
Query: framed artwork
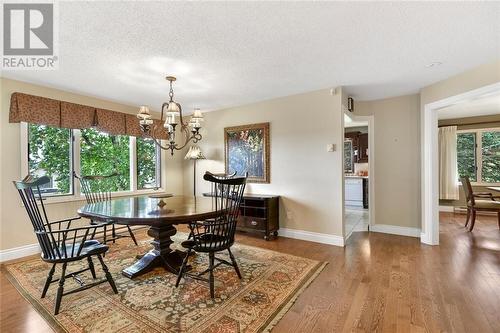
[{"x": 247, "y": 150}]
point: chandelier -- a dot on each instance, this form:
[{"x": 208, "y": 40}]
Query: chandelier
[{"x": 173, "y": 118}]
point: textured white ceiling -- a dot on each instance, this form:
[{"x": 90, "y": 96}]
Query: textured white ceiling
[
  {"x": 232, "y": 53},
  {"x": 483, "y": 106}
]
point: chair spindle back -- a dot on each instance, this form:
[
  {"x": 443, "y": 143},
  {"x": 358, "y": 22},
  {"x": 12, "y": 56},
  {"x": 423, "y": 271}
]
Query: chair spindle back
[{"x": 218, "y": 233}]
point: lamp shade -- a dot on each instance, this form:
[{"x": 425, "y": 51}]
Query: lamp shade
[{"x": 194, "y": 153}]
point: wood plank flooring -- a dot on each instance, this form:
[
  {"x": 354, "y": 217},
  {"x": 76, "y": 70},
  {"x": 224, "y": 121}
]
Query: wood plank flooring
[{"x": 377, "y": 283}]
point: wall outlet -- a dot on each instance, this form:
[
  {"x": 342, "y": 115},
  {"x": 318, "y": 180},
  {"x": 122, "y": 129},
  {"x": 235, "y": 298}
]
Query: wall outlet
[
  {"x": 330, "y": 147},
  {"x": 289, "y": 214}
]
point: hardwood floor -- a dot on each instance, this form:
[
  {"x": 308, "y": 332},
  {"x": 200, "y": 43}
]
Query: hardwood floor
[{"x": 377, "y": 283}]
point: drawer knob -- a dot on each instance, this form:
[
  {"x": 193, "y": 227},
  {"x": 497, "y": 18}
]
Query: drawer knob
[{"x": 253, "y": 223}]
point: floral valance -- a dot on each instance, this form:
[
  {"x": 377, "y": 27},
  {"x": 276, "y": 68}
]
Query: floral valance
[{"x": 55, "y": 113}]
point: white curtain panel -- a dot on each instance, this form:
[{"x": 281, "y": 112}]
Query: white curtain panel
[{"x": 448, "y": 170}]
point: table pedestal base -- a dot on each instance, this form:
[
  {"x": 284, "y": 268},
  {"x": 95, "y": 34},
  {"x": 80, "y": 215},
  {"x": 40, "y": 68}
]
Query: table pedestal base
[{"x": 161, "y": 256}]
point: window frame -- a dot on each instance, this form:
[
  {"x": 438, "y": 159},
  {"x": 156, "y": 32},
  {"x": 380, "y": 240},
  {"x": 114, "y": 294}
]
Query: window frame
[
  {"x": 479, "y": 154},
  {"x": 77, "y": 195}
]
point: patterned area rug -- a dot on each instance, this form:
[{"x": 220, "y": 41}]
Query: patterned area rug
[{"x": 151, "y": 303}]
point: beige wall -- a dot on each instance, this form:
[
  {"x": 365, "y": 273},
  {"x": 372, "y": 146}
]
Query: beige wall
[
  {"x": 15, "y": 228},
  {"x": 303, "y": 173},
  {"x": 396, "y": 160}
]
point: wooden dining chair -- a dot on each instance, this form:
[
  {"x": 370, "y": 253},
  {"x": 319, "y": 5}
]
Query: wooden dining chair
[
  {"x": 61, "y": 243},
  {"x": 479, "y": 201},
  {"x": 96, "y": 189},
  {"x": 213, "y": 188},
  {"x": 216, "y": 234}
]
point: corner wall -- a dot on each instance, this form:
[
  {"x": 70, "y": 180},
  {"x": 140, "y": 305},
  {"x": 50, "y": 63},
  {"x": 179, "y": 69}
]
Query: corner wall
[{"x": 397, "y": 159}]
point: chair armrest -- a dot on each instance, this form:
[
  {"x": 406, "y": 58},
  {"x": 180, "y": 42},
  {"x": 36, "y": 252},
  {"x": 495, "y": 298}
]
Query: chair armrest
[
  {"x": 65, "y": 220},
  {"x": 90, "y": 227}
]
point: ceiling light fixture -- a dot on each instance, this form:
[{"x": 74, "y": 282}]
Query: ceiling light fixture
[{"x": 173, "y": 117}]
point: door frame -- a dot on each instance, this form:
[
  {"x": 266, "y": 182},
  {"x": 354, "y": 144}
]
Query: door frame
[{"x": 430, "y": 160}]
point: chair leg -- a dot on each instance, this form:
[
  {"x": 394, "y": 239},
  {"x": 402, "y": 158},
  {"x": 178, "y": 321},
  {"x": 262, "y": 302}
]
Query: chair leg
[
  {"x": 113, "y": 233},
  {"x": 211, "y": 257},
  {"x": 49, "y": 279},
  {"x": 183, "y": 267},
  {"x": 60, "y": 290},
  {"x": 468, "y": 217},
  {"x": 132, "y": 235},
  {"x": 473, "y": 221},
  {"x": 105, "y": 232},
  {"x": 108, "y": 274},
  {"x": 235, "y": 264},
  {"x": 498, "y": 214},
  {"x": 91, "y": 266}
]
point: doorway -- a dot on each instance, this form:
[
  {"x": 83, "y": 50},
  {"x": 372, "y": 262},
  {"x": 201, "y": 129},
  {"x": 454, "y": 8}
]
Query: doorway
[
  {"x": 358, "y": 174},
  {"x": 430, "y": 159}
]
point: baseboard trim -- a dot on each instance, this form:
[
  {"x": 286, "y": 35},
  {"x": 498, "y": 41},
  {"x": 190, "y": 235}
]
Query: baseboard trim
[
  {"x": 395, "y": 230},
  {"x": 312, "y": 236},
  {"x": 446, "y": 209},
  {"x": 19, "y": 252}
]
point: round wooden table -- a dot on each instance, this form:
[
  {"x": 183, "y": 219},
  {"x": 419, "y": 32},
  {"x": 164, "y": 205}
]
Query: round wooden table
[{"x": 160, "y": 218}]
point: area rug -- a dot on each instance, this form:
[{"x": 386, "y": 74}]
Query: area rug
[{"x": 151, "y": 303}]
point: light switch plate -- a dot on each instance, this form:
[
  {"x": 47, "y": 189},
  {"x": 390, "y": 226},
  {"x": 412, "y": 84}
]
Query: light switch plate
[{"x": 330, "y": 147}]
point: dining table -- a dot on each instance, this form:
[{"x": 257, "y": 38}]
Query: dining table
[{"x": 161, "y": 215}]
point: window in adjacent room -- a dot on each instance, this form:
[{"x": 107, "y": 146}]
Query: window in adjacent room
[{"x": 478, "y": 155}]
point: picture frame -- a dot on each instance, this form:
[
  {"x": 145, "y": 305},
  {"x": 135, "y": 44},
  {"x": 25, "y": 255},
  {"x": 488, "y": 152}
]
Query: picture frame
[{"x": 247, "y": 149}]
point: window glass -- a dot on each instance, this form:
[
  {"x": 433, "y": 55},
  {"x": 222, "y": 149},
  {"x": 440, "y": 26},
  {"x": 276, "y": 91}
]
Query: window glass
[
  {"x": 148, "y": 164},
  {"x": 49, "y": 154},
  {"x": 102, "y": 154},
  {"x": 466, "y": 155},
  {"x": 490, "y": 172}
]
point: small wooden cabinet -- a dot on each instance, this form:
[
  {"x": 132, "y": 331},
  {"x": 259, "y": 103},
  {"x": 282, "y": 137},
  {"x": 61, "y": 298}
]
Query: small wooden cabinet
[{"x": 259, "y": 214}]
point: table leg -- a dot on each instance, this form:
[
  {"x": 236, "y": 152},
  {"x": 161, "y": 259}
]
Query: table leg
[{"x": 160, "y": 256}]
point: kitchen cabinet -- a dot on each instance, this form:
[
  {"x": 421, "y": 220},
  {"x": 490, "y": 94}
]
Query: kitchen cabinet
[{"x": 359, "y": 145}]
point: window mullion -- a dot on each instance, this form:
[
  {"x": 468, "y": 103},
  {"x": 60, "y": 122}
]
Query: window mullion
[
  {"x": 76, "y": 160},
  {"x": 479, "y": 156},
  {"x": 133, "y": 163}
]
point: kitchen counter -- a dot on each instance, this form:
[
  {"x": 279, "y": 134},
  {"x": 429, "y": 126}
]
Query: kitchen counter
[{"x": 354, "y": 176}]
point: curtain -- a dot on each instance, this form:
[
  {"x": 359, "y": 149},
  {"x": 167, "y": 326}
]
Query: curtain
[
  {"x": 55, "y": 113},
  {"x": 448, "y": 170}
]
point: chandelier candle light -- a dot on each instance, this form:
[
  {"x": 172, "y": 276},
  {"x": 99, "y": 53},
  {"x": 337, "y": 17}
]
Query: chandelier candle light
[{"x": 173, "y": 117}]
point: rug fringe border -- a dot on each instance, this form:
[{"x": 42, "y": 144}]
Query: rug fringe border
[{"x": 276, "y": 319}]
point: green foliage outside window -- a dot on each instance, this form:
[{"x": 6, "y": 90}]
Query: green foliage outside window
[
  {"x": 146, "y": 164},
  {"x": 49, "y": 155},
  {"x": 466, "y": 155},
  {"x": 102, "y": 154},
  {"x": 491, "y": 157}
]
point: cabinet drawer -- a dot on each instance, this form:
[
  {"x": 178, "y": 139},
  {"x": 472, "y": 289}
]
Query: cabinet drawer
[{"x": 252, "y": 223}]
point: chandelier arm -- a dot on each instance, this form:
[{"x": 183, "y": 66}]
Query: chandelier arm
[{"x": 162, "y": 107}]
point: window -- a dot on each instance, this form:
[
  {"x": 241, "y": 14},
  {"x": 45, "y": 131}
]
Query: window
[
  {"x": 104, "y": 154},
  {"x": 57, "y": 152},
  {"x": 49, "y": 154},
  {"x": 148, "y": 172},
  {"x": 478, "y": 155}
]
